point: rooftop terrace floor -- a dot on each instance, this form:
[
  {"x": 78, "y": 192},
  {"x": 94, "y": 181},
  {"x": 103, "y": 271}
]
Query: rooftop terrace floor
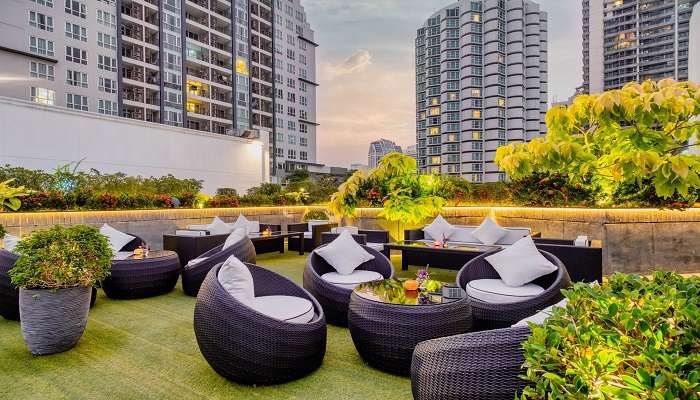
[{"x": 146, "y": 349}]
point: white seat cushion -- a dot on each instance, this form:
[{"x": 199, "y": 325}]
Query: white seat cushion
[
  {"x": 117, "y": 239},
  {"x": 219, "y": 227},
  {"x": 350, "y": 281},
  {"x": 344, "y": 254},
  {"x": 196, "y": 261},
  {"x": 236, "y": 236},
  {"x": 376, "y": 246},
  {"x": 520, "y": 263},
  {"x": 489, "y": 232},
  {"x": 495, "y": 291},
  {"x": 10, "y": 242},
  {"x": 314, "y": 222},
  {"x": 540, "y": 317},
  {"x": 235, "y": 277},
  {"x": 439, "y": 229},
  {"x": 308, "y": 235},
  {"x": 295, "y": 310}
]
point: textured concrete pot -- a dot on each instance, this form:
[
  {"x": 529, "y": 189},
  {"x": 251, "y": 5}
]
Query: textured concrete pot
[{"x": 53, "y": 320}]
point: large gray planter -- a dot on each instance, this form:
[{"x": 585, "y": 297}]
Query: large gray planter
[{"x": 53, "y": 320}]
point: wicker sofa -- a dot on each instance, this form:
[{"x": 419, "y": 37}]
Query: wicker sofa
[
  {"x": 479, "y": 365},
  {"x": 194, "y": 275},
  {"x": 312, "y": 237},
  {"x": 335, "y": 299},
  {"x": 251, "y": 348},
  {"x": 493, "y": 316}
]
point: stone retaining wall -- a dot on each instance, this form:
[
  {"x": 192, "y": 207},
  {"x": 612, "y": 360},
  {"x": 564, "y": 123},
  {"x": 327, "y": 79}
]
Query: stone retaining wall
[{"x": 634, "y": 240}]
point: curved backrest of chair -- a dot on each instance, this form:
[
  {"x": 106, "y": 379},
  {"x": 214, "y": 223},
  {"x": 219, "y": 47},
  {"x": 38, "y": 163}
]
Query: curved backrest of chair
[
  {"x": 134, "y": 244},
  {"x": 479, "y": 268},
  {"x": 379, "y": 264}
]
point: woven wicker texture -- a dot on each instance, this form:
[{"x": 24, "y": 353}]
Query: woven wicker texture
[
  {"x": 53, "y": 321},
  {"x": 9, "y": 294},
  {"x": 138, "y": 279},
  {"x": 193, "y": 276},
  {"x": 494, "y": 316},
  {"x": 386, "y": 334},
  {"x": 248, "y": 347},
  {"x": 479, "y": 366},
  {"x": 335, "y": 299}
]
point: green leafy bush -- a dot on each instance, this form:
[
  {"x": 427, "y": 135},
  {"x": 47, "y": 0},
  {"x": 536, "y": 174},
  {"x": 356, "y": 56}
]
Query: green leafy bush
[
  {"x": 10, "y": 196},
  {"x": 227, "y": 192},
  {"x": 631, "y": 338},
  {"x": 551, "y": 190},
  {"x": 62, "y": 257},
  {"x": 316, "y": 215},
  {"x": 2, "y": 231},
  {"x": 223, "y": 202}
]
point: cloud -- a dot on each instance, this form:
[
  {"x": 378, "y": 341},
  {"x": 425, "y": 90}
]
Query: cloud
[{"x": 357, "y": 62}]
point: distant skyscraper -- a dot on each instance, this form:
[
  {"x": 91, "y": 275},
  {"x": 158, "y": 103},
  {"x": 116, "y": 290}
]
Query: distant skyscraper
[
  {"x": 378, "y": 149},
  {"x": 694, "y": 46},
  {"x": 411, "y": 151},
  {"x": 229, "y": 68},
  {"x": 634, "y": 40},
  {"x": 481, "y": 82}
]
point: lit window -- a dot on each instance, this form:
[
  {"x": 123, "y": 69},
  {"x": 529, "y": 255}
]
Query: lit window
[
  {"x": 43, "y": 96},
  {"x": 476, "y": 135},
  {"x": 476, "y": 92},
  {"x": 433, "y": 130},
  {"x": 476, "y": 113},
  {"x": 502, "y": 102},
  {"x": 435, "y": 111},
  {"x": 434, "y": 101},
  {"x": 476, "y": 17}
]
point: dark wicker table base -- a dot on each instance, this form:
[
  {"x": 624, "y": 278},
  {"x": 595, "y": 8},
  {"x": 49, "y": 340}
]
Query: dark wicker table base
[
  {"x": 385, "y": 335},
  {"x": 138, "y": 279}
]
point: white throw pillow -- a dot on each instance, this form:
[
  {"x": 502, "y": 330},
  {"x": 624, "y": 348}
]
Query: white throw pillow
[
  {"x": 236, "y": 236},
  {"x": 235, "y": 277},
  {"x": 489, "y": 232},
  {"x": 117, "y": 239},
  {"x": 540, "y": 317},
  {"x": 439, "y": 229},
  {"x": 464, "y": 234},
  {"x": 10, "y": 242},
  {"x": 219, "y": 227},
  {"x": 520, "y": 263},
  {"x": 344, "y": 254},
  {"x": 316, "y": 222}
]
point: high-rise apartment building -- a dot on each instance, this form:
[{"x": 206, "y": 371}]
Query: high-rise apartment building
[
  {"x": 226, "y": 67},
  {"x": 481, "y": 82},
  {"x": 378, "y": 149},
  {"x": 634, "y": 40}
]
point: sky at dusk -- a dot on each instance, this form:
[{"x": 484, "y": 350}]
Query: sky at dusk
[{"x": 366, "y": 68}]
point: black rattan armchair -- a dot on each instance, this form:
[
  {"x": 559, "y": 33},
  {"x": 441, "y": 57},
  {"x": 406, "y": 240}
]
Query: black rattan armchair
[
  {"x": 494, "y": 316},
  {"x": 193, "y": 276},
  {"x": 335, "y": 299},
  {"x": 248, "y": 347},
  {"x": 309, "y": 243},
  {"x": 479, "y": 365}
]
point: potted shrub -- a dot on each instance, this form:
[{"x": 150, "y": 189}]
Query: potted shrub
[{"x": 55, "y": 272}]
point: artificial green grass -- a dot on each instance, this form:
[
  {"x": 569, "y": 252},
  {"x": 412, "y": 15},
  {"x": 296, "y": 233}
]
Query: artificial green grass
[{"x": 146, "y": 349}]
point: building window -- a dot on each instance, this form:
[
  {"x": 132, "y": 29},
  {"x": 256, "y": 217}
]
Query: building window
[
  {"x": 107, "y": 85},
  {"x": 476, "y": 113},
  {"x": 76, "y": 55},
  {"x": 106, "y": 41},
  {"x": 279, "y": 152},
  {"x": 292, "y": 154},
  {"x": 107, "y": 63},
  {"x": 41, "y": 70},
  {"x": 40, "y": 46},
  {"x": 303, "y": 142},
  {"x": 303, "y": 128},
  {"x": 77, "y": 102},
  {"x": 476, "y": 135},
  {"x": 77, "y": 78},
  {"x": 75, "y": 8},
  {"x": 107, "y": 107},
  {"x": 107, "y": 19},
  {"x": 303, "y": 156},
  {"x": 75, "y": 31},
  {"x": 292, "y": 139},
  {"x": 478, "y": 178},
  {"x": 43, "y": 96},
  {"x": 47, "y": 3},
  {"x": 41, "y": 21}
]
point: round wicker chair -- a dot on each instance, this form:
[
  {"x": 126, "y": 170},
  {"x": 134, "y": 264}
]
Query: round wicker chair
[
  {"x": 494, "y": 316},
  {"x": 9, "y": 294},
  {"x": 251, "y": 348},
  {"x": 479, "y": 365},
  {"x": 193, "y": 276},
  {"x": 335, "y": 299}
]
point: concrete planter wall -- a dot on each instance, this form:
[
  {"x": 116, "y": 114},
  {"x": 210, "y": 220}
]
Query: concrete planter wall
[{"x": 634, "y": 240}]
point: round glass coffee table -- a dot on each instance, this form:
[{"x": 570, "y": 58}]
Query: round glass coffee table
[
  {"x": 387, "y": 322},
  {"x": 138, "y": 277}
]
